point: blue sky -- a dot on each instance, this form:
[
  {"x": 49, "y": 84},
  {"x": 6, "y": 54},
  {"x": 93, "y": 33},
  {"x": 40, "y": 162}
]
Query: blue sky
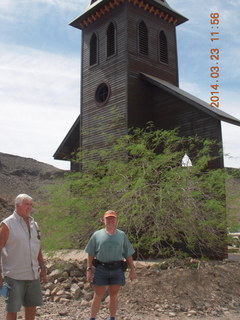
[{"x": 40, "y": 70}]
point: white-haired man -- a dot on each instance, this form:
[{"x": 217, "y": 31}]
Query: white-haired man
[{"x": 22, "y": 265}]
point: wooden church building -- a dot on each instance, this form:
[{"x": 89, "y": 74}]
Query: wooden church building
[{"x": 129, "y": 76}]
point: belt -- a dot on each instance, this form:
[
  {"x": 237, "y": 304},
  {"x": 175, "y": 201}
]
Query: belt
[{"x": 110, "y": 265}]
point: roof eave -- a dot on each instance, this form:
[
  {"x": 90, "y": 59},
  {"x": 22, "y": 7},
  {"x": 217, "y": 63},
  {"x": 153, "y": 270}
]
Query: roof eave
[
  {"x": 196, "y": 102},
  {"x": 76, "y": 23},
  {"x": 59, "y": 155}
]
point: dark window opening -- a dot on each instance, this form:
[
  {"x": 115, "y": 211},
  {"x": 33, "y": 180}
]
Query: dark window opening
[
  {"x": 102, "y": 93},
  {"x": 163, "y": 47},
  {"x": 143, "y": 38},
  {"x": 93, "y": 49},
  {"x": 111, "y": 40}
]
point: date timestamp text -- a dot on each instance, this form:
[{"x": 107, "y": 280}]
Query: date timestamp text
[{"x": 215, "y": 60}]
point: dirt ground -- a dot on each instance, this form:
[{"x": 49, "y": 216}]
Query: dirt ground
[{"x": 172, "y": 290}]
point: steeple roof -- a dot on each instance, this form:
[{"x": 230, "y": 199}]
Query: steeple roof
[{"x": 98, "y": 8}]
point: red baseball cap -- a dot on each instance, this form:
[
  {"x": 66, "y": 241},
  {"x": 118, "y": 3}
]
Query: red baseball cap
[{"x": 110, "y": 213}]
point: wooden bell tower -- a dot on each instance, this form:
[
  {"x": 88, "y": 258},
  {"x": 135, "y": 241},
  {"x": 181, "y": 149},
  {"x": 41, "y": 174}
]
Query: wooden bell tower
[
  {"x": 129, "y": 76},
  {"x": 120, "y": 40}
]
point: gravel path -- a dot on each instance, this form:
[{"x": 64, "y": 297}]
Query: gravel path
[
  {"x": 74, "y": 311},
  {"x": 79, "y": 309}
]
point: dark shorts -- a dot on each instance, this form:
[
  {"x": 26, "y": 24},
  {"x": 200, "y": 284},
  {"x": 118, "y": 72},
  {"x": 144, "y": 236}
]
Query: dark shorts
[
  {"x": 105, "y": 277},
  {"x": 27, "y": 293}
]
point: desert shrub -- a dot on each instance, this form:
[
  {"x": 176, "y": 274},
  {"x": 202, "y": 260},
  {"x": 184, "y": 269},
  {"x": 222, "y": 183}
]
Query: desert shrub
[{"x": 164, "y": 207}]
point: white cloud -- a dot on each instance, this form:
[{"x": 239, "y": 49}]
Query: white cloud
[
  {"x": 35, "y": 76},
  {"x": 230, "y": 133},
  {"x": 39, "y": 95},
  {"x": 231, "y": 150},
  {"x": 35, "y": 132},
  {"x": 13, "y": 5}
]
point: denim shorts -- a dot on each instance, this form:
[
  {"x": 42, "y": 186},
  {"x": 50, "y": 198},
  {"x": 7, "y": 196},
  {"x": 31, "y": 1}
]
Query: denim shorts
[
  {"x": 27, "y": 293},
  {"x": 105, "y": 277}
]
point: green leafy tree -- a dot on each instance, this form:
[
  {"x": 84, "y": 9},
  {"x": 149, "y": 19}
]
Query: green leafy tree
[{"x": 165, "y": 208}]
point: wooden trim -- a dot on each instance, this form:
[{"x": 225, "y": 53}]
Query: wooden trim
[
  {"x": 146, "y": 7},
  {"x": 166, "y": 17},
  {"x": 107, "y": 8},
  {"x": 93, "y": 17},
  {"x": 140, "y": 3},
  {"x": 151, "y": 9},
  {"x": 89, "y": 20},
  {"x": 111, "y": 5},
  {"x": 162, "y": 14}
]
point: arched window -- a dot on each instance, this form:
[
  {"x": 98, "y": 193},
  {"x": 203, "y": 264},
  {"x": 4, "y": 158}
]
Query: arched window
[
  {"x": 143, "y": 38},
  {"x": 163, "y": 47},
  {"x": 93, "y": 49},
  {"x": 111, "y": 40}
]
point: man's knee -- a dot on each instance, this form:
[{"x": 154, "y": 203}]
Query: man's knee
[{"x": 114, "y": 290}]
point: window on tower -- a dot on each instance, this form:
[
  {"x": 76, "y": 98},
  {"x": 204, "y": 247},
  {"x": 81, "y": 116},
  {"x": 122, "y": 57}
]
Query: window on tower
[
  {"x": 111, "y": 40},
  {"x": 102, "y": 94},
  {"x": 93, "y": 49},
  {"x": 163, "y": 47},
  {"x": 143, "y": 38}
]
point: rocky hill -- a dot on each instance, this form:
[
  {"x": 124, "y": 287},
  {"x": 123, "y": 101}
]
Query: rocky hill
[{"x": 22, "y": 175}]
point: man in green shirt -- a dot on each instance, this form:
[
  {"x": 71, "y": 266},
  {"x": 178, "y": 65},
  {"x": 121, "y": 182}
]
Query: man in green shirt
[{"x": 107, "y": 249}]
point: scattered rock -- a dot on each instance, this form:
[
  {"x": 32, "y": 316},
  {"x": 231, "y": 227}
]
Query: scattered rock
[{"x": 209, "y": 292}]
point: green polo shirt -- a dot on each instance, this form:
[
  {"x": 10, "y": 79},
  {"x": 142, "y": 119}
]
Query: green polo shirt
[{"x": 109, "y": 247}]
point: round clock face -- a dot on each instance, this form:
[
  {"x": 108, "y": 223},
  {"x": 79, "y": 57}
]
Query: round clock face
[{"x": 102, "y": 93}]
